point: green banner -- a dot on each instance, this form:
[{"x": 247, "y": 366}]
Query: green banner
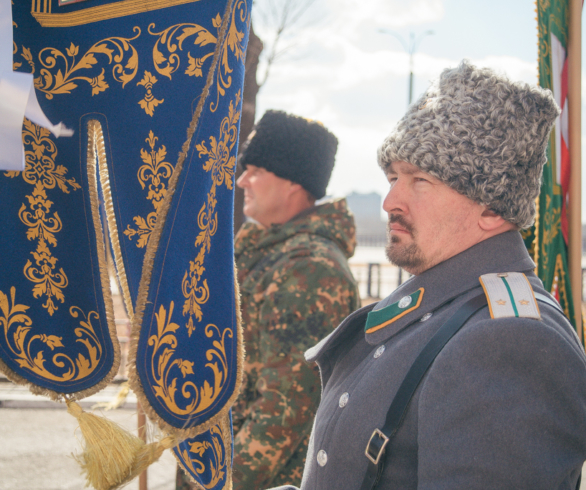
[{"x": 547, "y": 240}]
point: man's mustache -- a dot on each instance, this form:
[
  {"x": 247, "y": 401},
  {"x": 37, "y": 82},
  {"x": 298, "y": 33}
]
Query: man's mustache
[{"x": 400, "y": 220}]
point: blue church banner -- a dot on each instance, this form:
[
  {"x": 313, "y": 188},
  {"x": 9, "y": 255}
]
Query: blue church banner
[{"x": 130, "y": 77}]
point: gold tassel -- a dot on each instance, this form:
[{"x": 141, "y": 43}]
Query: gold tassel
[{"x": 111, "y": 455}]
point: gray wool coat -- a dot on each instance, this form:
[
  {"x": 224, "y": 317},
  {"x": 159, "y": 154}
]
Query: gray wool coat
[{"x": 503, "y": 406}]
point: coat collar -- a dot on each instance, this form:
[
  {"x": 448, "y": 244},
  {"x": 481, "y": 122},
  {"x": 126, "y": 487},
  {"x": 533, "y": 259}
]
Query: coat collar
[
  {"x": 441, "y": 284},
  {"x": 444, "y": 282}
]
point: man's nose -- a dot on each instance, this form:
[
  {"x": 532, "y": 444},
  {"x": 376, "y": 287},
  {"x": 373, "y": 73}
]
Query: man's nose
[
  {"x": 395, "y": 199},
  {"x": 242, "y": 180}
]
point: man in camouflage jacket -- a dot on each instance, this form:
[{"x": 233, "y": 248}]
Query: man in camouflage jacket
[{"x": 295, "y": 284}]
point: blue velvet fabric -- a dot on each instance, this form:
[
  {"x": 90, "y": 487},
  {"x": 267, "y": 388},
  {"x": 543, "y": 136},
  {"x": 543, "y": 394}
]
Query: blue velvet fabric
[{"x": 134, "y": 78}]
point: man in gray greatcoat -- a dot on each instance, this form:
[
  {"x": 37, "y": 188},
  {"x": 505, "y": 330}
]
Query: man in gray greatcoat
[{"x": 503, "y": 405}]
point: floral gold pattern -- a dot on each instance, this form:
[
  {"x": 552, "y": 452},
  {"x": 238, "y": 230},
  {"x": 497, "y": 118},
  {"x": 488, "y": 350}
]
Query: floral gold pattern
[
  {"x": 158, "y": 172},
  {"x": 149, "y": 102},
  {"x": 171, "y": 40},
  {"x": 43, "y": 223},
  {"x": 42, "y": 227},
  {"x": 221, "y": 165},
  {"x": 29, "y": 351},
  {"x": 234, "y": 43},
  {"x": 70, "y": 69},
  {"x": 214, "y": 451},
  {"x": 164, "y": 344}
]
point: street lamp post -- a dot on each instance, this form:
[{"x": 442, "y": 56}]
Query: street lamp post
[{"x": 411, "y": 49}]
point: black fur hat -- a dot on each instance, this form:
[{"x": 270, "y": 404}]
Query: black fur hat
[{"x": 293, "y": 148}]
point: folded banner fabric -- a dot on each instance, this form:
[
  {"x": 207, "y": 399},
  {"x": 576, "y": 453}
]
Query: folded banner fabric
[{"x": 131, "y": 195}]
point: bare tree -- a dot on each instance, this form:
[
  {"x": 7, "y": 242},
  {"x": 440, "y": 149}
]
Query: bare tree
[{"x": 281, "y": 19}]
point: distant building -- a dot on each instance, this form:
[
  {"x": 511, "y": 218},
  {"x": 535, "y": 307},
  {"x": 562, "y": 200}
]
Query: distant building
[{"x": 371, "y": 229}]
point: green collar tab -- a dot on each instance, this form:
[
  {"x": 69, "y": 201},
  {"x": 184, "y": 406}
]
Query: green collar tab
[{"x": 378, "y": 319}]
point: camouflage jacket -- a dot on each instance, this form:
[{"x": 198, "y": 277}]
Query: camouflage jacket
[{"x": 295, "y": 287}]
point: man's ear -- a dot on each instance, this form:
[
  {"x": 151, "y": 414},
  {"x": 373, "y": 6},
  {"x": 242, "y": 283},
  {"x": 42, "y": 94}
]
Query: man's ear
[
  {"x": 490, "y": 221},
  {"x": 295, "y": 188}
]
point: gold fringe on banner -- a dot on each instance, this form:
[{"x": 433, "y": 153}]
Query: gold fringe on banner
[{"x": 97, "y": 154}]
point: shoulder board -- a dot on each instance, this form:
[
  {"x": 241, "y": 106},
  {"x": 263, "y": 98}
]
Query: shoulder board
[{"x": 510, "y": 294}]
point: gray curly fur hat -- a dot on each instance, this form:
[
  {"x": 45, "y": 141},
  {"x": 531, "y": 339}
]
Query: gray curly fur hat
[
  {"x": 293, "y": 148},
  {"x": 481, "y": 134}
]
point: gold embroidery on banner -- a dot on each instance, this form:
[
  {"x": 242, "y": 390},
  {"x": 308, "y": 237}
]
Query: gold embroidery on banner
[
  {"x": 152, "y": 248},
  {"x": 221, "y": 165},
  {"x": 218, "y": 453},
  {"x": 42, "y": 227},
  {"x": 29, "y": 347},
  {"x": 26, "y": 54},
  {"x": 90, "y": 15},
  {"x": 164, "y": 344},
  {"x": 40, "y": 155},
  {"x": 15, "y": 65},
  {"x": 43, "y": 223},
  {"x": 17, "y": 326},
  {"x": 69, "y": 70},
  {"x": 158, "y": 172},
  {"x": 551, "y": 227},
  {"x": 149, "y": 102},
  {"x": 234, "y": 43},
  {"x": 172, "y": 39}
]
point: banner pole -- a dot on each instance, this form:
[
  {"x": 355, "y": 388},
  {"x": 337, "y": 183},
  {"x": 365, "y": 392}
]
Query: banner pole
[
  {"x": 575, "y": 150},
  {"x": 142, "y": 478}
]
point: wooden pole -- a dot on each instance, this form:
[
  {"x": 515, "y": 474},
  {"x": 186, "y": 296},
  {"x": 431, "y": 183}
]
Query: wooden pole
[
  {"x": 142, "y": 478},
  {"x": 575, "y": 130}
]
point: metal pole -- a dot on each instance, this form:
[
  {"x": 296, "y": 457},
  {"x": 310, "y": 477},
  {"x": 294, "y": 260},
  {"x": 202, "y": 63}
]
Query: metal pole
[
  {"x": 411, "y": 53},
  {"x": 575, "y": 130},
  {"x": 369, "y": 283},
  {"x": 142, "y": 478}
]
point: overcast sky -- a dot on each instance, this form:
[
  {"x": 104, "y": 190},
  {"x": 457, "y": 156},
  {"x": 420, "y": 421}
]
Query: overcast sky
[{"x": 340, "y": 68}]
